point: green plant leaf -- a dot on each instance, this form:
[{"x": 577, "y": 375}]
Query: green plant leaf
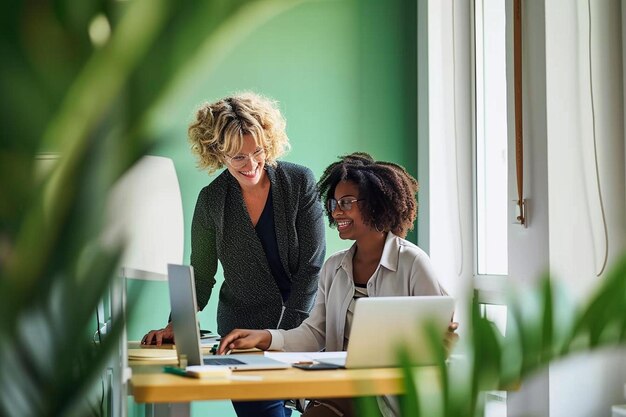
[
  {"x": 410, "y": 401},
  {"x": 53, "y": 269},
  {"x": 543, "y": 326}
]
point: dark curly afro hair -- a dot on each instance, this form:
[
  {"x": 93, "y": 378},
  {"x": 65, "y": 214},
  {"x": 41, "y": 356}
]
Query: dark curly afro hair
[{"x": 388, "y": 191}]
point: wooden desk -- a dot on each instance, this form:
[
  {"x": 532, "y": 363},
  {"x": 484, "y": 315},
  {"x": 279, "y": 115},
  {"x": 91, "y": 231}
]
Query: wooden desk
[
  {"x": 150, "y": 385},
  {"x": 170, "y": 395}
]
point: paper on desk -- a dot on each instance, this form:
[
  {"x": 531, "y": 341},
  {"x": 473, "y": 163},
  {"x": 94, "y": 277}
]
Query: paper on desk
[
  {"x": 209, "y": 342},
  {"x": 293, "y": 357},
  {"x": 208, "y": 371}
]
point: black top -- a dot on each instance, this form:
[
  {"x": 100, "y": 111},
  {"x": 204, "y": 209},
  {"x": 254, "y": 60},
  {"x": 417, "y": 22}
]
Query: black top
[
  {"x": 266, "y": 231},
  {"x": 222, "y": 230}
]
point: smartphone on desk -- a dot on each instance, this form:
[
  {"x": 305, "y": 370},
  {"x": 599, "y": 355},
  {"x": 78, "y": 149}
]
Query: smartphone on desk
[{"x": 316, "y": 366}]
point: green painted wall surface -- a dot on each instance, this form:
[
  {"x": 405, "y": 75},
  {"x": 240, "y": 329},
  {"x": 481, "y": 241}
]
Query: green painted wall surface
[{"x": 344, "y": 74}]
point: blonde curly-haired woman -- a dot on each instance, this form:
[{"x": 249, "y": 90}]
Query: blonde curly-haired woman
[{"x": 261, "y": 218}]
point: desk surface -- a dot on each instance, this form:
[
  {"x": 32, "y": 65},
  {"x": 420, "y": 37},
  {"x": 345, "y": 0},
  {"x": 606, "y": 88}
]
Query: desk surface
[{"x": 150, "y": 385}]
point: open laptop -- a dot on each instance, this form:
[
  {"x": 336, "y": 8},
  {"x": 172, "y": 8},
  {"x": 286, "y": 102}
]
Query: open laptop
[
  {"x": 381, "y": 325},
  {"x": 186, "y": 330}
]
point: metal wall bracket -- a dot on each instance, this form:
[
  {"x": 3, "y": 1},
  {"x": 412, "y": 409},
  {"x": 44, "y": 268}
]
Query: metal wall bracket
[{"x": 520, "y": 212}]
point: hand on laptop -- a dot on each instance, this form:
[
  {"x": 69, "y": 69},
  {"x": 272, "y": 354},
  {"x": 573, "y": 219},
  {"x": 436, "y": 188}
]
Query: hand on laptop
[
  {"x": 451, "y": 337},
  {"x": 158, "y": 337},
  {"x": 245, "y": 339}
]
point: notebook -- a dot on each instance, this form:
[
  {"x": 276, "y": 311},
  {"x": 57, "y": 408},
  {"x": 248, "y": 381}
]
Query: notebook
[
  {"x": 381, "y": 324},
  {"x": 186, "y": 330}
]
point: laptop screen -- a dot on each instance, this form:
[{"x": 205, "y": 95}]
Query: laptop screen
[
  {"x": 382, "y": 324},
  {"x": 186, "y": 331},
  {"x": 184, "y": 308}
]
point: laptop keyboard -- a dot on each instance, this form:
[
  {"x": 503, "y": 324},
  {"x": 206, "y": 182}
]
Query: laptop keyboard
[{"x": 222, "y": 361}]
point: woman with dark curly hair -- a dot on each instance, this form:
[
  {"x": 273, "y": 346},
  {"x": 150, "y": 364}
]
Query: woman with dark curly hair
[
  {"x": 372, "y": 203},
  {"x": 260, "y": 218}
]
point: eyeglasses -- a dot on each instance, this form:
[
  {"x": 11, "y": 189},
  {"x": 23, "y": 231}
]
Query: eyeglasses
[
  {"x": 240, "y": 160},
  {"x": 345, "y": 204}
]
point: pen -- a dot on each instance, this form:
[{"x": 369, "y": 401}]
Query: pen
[{"x": 175, "y": 371}]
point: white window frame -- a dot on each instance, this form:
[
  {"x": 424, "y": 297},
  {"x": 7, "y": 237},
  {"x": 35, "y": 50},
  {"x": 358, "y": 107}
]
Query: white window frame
[{"x": 488, "y": 288}]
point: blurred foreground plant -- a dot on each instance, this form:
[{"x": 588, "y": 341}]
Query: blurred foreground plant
[
  {"x": 542, "y": 326},
  {"x": 89, "y": 81}
]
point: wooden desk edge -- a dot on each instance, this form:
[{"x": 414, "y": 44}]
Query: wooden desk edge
[{"x": 292, "y": 383}]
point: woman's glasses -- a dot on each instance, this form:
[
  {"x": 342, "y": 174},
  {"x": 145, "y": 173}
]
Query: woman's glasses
[
  {"x": 240, "y": 160},
  {"x": 345, "y": 204}
]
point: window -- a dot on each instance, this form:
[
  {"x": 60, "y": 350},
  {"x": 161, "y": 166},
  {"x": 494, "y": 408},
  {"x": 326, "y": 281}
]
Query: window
[
  {"x": 491, "y": 264},
  {"x": 491, "y": 137}
]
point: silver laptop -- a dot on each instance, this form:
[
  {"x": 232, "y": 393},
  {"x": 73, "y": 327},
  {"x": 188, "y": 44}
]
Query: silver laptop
[
  {"x": 381, "y": 324},
  {"x": 186, "y": 328}
]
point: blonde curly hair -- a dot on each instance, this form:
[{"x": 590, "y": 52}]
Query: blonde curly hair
[{"x": 219, "y": 128}]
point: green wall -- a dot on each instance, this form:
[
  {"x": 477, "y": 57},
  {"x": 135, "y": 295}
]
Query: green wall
[{"x": 344, "y": 73}]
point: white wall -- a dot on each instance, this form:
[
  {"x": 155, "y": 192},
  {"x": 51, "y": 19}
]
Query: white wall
[
  {"x": 567, "y": 233},
  {"x": 577, "y": 236},
  {"x": 572, "y": 177},
  {"x": 528, "y": 247}
]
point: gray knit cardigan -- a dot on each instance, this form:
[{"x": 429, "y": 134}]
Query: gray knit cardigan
[{"x": 222, "y": 229}]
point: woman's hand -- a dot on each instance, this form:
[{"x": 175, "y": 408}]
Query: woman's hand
[
  {"x": 245, "y": 339},
  {"x": 158, "y": 337},
  {"x": 451, "y": 338}
]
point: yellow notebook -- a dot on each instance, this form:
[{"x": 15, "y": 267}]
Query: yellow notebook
[{"x": 156, "y": 355}]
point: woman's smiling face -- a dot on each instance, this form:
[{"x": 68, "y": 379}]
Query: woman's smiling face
[
  {"x": 349, "y": 222},
  {"x": 251, "y": 173}
]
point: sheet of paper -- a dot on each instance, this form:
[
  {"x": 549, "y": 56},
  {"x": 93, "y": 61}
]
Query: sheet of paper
[
  {"x": 209, "y": 342},
  {"x": 294, "y": 357},
  {"x": 208, "y": 371}
]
